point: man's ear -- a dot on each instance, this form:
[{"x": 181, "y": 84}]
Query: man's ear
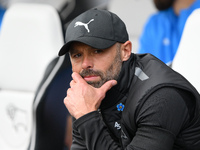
[{"x": 126, "y": 49}]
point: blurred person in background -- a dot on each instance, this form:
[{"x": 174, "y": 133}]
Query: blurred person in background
[
  {"x": 163, "y": 30},
  {"x": 2, "y": 11}
]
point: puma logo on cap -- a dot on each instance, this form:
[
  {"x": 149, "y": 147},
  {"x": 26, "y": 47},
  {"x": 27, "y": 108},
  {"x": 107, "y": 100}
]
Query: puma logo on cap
[{"x": 79, "y": 23}]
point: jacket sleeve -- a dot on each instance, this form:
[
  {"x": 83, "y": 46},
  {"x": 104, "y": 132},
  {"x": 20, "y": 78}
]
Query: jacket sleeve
[
  {"x": 92, "y": 129},
  {"x": 77, "y": 142}
]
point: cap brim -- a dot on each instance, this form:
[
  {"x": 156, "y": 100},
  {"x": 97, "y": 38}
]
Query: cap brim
[{"x": 91, "y": 41}]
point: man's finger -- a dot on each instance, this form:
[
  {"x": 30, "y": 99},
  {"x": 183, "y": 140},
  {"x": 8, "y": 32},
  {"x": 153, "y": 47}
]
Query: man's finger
[
  {"x": 72, "y": 83},
  {"x": 108, "y": 85},
  {"x": 76, "y": 77}
]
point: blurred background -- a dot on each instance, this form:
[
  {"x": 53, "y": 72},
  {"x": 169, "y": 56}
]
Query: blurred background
[
  {"x": 34, "y": 80},
  {"x": 133, "y": 12}
]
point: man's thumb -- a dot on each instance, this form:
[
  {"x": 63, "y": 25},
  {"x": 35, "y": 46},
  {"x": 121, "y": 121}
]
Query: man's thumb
[{"x": 108, "y": 85}]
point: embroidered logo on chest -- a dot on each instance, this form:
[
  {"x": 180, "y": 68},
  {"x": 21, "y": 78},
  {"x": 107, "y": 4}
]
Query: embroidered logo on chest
[{"x": 117, "y": 125}]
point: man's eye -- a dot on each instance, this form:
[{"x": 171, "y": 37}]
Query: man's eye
[
  {"x": 98, "y": 51},
  {"x": 76, "y": 55}
]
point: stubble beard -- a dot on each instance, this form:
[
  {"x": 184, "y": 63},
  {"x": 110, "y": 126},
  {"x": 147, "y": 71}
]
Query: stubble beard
[{"x": 111, "y": 74}]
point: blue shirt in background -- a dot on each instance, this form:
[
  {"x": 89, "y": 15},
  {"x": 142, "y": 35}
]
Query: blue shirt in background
[
  {"x": 2, "y": 11},
  {"x": 162, "y": 33}
]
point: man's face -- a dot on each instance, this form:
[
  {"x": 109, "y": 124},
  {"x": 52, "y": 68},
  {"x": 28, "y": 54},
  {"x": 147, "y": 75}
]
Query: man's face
[{"x": 96, "y": 66}]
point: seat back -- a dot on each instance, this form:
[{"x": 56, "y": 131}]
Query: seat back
[
  {"x": 186, "y": 60},
  {"x": 30, "y": 37}
]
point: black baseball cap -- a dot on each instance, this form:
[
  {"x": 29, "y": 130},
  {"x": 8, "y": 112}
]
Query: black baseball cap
[{"x": 97, "y": 28}]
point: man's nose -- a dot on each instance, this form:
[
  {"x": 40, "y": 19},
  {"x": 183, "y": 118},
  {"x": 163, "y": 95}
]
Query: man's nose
[{"x": 87, "y": 62}]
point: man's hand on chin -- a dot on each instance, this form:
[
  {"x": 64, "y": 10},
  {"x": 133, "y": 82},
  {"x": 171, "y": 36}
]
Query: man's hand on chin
[{"x": 83, "y": 98}]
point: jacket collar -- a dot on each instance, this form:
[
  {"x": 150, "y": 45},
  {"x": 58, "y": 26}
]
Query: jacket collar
[{"x": 123, "y": 84}]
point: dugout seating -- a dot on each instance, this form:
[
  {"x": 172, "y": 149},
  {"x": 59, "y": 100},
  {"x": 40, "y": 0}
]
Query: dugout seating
[
  {"x": 186, "y": 60},
  {"x": 30, "y": 38}
]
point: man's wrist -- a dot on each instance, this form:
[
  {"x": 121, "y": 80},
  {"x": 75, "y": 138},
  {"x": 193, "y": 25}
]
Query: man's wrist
[{"x": 85, "y": 118}]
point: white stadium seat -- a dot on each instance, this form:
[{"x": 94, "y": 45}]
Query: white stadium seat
[
  {"x": 186, "y": 60},
  {"x": 30, "y": 38}
]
